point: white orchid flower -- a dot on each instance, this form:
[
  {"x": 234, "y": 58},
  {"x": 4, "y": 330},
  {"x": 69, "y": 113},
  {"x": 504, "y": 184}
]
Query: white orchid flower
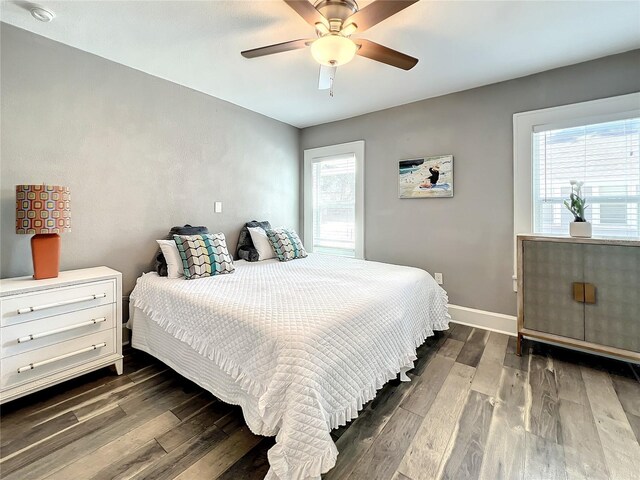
[
  {"x": 573, "y": 182},
  {"x": 580, "y": 184}
]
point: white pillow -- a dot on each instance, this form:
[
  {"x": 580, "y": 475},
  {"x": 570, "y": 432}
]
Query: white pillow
[
  {"x": 261, "y": 242},
  {"x": 172, "y": 256}
]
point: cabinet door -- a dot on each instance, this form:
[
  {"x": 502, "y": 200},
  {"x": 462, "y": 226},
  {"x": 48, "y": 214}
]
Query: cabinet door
[
  {"x": 550, "y": 268},
  {"x": 614, "y": 319}
]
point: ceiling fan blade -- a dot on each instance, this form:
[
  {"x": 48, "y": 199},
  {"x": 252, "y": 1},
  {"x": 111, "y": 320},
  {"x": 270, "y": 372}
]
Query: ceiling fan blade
[
  {"x": 383, "y": 54},
  {"x": 327, "y": 77},
  {"x": 277, "y": 48},
  {"x": 376, "y": 12},
  {"x": 307, "y": 11}
]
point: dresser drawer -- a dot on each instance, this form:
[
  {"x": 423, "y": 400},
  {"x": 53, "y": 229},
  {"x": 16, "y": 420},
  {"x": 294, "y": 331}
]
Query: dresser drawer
[
  {"x": 31, "y": 306},
  {"x": 27, "y": 336},
  {"x": 55, "y": 358}
]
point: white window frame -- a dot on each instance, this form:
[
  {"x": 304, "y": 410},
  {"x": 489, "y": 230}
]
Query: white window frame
[
  {"x": 524, "y": 125},
  {"x": 313, "y": 155}
]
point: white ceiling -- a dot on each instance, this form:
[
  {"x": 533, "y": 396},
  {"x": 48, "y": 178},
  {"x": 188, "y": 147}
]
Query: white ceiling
[{"x": 460, "y": 45}]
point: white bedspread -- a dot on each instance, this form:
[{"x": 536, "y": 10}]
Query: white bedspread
[{"x": 311, "y": 339}]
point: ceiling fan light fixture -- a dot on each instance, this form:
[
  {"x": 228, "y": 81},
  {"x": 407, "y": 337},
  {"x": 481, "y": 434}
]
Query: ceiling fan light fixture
[
  {"x": 349, "y": 30},
  {"x": 321, "y": 28},
  {"x": 333, "y": 50}
]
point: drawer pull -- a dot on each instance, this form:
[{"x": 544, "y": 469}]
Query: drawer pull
[
  {"x": 59, "y": 304},
  {"x": 31, "y": 366},
  {"x": 35, "y": 336}
]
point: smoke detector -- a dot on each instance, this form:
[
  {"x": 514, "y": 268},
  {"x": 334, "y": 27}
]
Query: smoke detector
[{"x": 41, "y": 14}]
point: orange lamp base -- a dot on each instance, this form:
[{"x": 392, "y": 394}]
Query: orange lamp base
[{"x": 45, "y": 251}]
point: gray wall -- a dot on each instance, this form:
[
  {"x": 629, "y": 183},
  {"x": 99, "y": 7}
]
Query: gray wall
[
  {"x": 469, "y": 237},
  {"x": 140, "y": 154}
]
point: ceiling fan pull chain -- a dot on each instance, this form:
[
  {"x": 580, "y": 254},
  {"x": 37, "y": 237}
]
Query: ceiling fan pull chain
[{"x": 332, "y": 77}]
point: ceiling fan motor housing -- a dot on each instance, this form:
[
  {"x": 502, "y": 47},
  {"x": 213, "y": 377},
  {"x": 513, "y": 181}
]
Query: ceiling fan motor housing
[{"x": 336, "y": 11}]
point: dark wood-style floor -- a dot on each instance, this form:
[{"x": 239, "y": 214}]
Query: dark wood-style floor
[{"x": 473, "y": 410}]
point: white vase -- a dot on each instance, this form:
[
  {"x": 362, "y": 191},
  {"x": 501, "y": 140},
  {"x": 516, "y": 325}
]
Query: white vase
[{"x": 580, "y": 229}]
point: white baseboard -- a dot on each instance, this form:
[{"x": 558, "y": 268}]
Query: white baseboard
[{"x": 496, "y": 322}]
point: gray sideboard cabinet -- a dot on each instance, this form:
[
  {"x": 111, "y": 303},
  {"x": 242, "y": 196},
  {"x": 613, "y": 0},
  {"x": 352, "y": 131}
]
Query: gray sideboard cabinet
[{"x": 580, "y": 292}]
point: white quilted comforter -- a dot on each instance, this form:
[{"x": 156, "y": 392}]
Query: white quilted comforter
[{"x": 311, "y": 339}]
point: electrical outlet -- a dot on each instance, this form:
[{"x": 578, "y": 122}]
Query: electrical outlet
[
  {"x": 217, "y": 207},
  {"x": 438, "y": 278}
]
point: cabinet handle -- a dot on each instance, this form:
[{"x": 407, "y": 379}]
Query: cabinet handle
[
  {"x": 584, "y": 292},
  {"x": 589, "y": 293},
  {"x": 31, "y": 366},
  {"x": 59, "y": 304},
  {"x": 34, "y": 336}
]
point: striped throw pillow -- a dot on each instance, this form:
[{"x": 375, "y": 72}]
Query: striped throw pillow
[
  {"x": 286, "y": 243},
  {"x": 204, "y": 255}
]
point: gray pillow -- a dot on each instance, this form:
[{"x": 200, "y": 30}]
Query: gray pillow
[
  {"x": 246, "y": 250},
  {"x": 161, "y": 263}
]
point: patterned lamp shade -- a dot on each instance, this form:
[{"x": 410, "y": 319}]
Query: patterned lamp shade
[{"x": 42, "y": 209}]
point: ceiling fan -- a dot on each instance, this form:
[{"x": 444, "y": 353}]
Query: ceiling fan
[{"x": 335, "y": 21}]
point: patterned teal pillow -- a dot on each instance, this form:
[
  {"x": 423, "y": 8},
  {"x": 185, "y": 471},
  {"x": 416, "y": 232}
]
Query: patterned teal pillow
[
  {"x": 286, "y": 244},
  {"x": 204, "y": 255}
]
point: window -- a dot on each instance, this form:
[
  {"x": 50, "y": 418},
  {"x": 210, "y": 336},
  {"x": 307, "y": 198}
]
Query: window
[
  {"x": 605, "y": 157},
  {"x": 596, "y": 142},
  {"x": 334, "y": 205},
  {"x": 333, "y": 211}
]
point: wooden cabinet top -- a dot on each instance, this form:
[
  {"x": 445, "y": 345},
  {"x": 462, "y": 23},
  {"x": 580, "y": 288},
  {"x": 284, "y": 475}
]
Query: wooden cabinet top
[{"x": 592, "y": 240}]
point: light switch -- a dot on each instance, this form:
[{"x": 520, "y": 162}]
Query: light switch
[
  {"x": 217, "y": 207},
  {"x": 438, "y": 278}
]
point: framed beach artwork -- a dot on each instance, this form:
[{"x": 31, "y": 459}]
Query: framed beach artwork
[{"x": 428, "y": 177}]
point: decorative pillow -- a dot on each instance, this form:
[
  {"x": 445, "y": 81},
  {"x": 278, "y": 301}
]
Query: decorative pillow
[
  {"x": 286, "y": 244},
  {"x": 261, "y": 243},
  {"x": 246, "y": 250},
  {"x": 204, "y": 255},
  {"x": 161, "y": 262},
  {"x": 172, "y": 257}
]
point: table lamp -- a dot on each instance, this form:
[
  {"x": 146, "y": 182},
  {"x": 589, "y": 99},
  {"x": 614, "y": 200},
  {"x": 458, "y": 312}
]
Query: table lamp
[{"x": 43, "y": 210}]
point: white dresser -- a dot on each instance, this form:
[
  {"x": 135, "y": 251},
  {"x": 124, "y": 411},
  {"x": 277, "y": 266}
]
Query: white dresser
[{"x": 56, "y": 329}]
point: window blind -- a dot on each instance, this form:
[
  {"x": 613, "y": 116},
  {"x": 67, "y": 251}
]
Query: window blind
[
  {"x": 602, "y": 155},
  {"x": 334, "y": 205}
]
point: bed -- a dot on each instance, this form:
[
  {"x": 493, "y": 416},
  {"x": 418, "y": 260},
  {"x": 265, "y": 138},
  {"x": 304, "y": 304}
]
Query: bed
[{"x": 301, "y": 346}]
